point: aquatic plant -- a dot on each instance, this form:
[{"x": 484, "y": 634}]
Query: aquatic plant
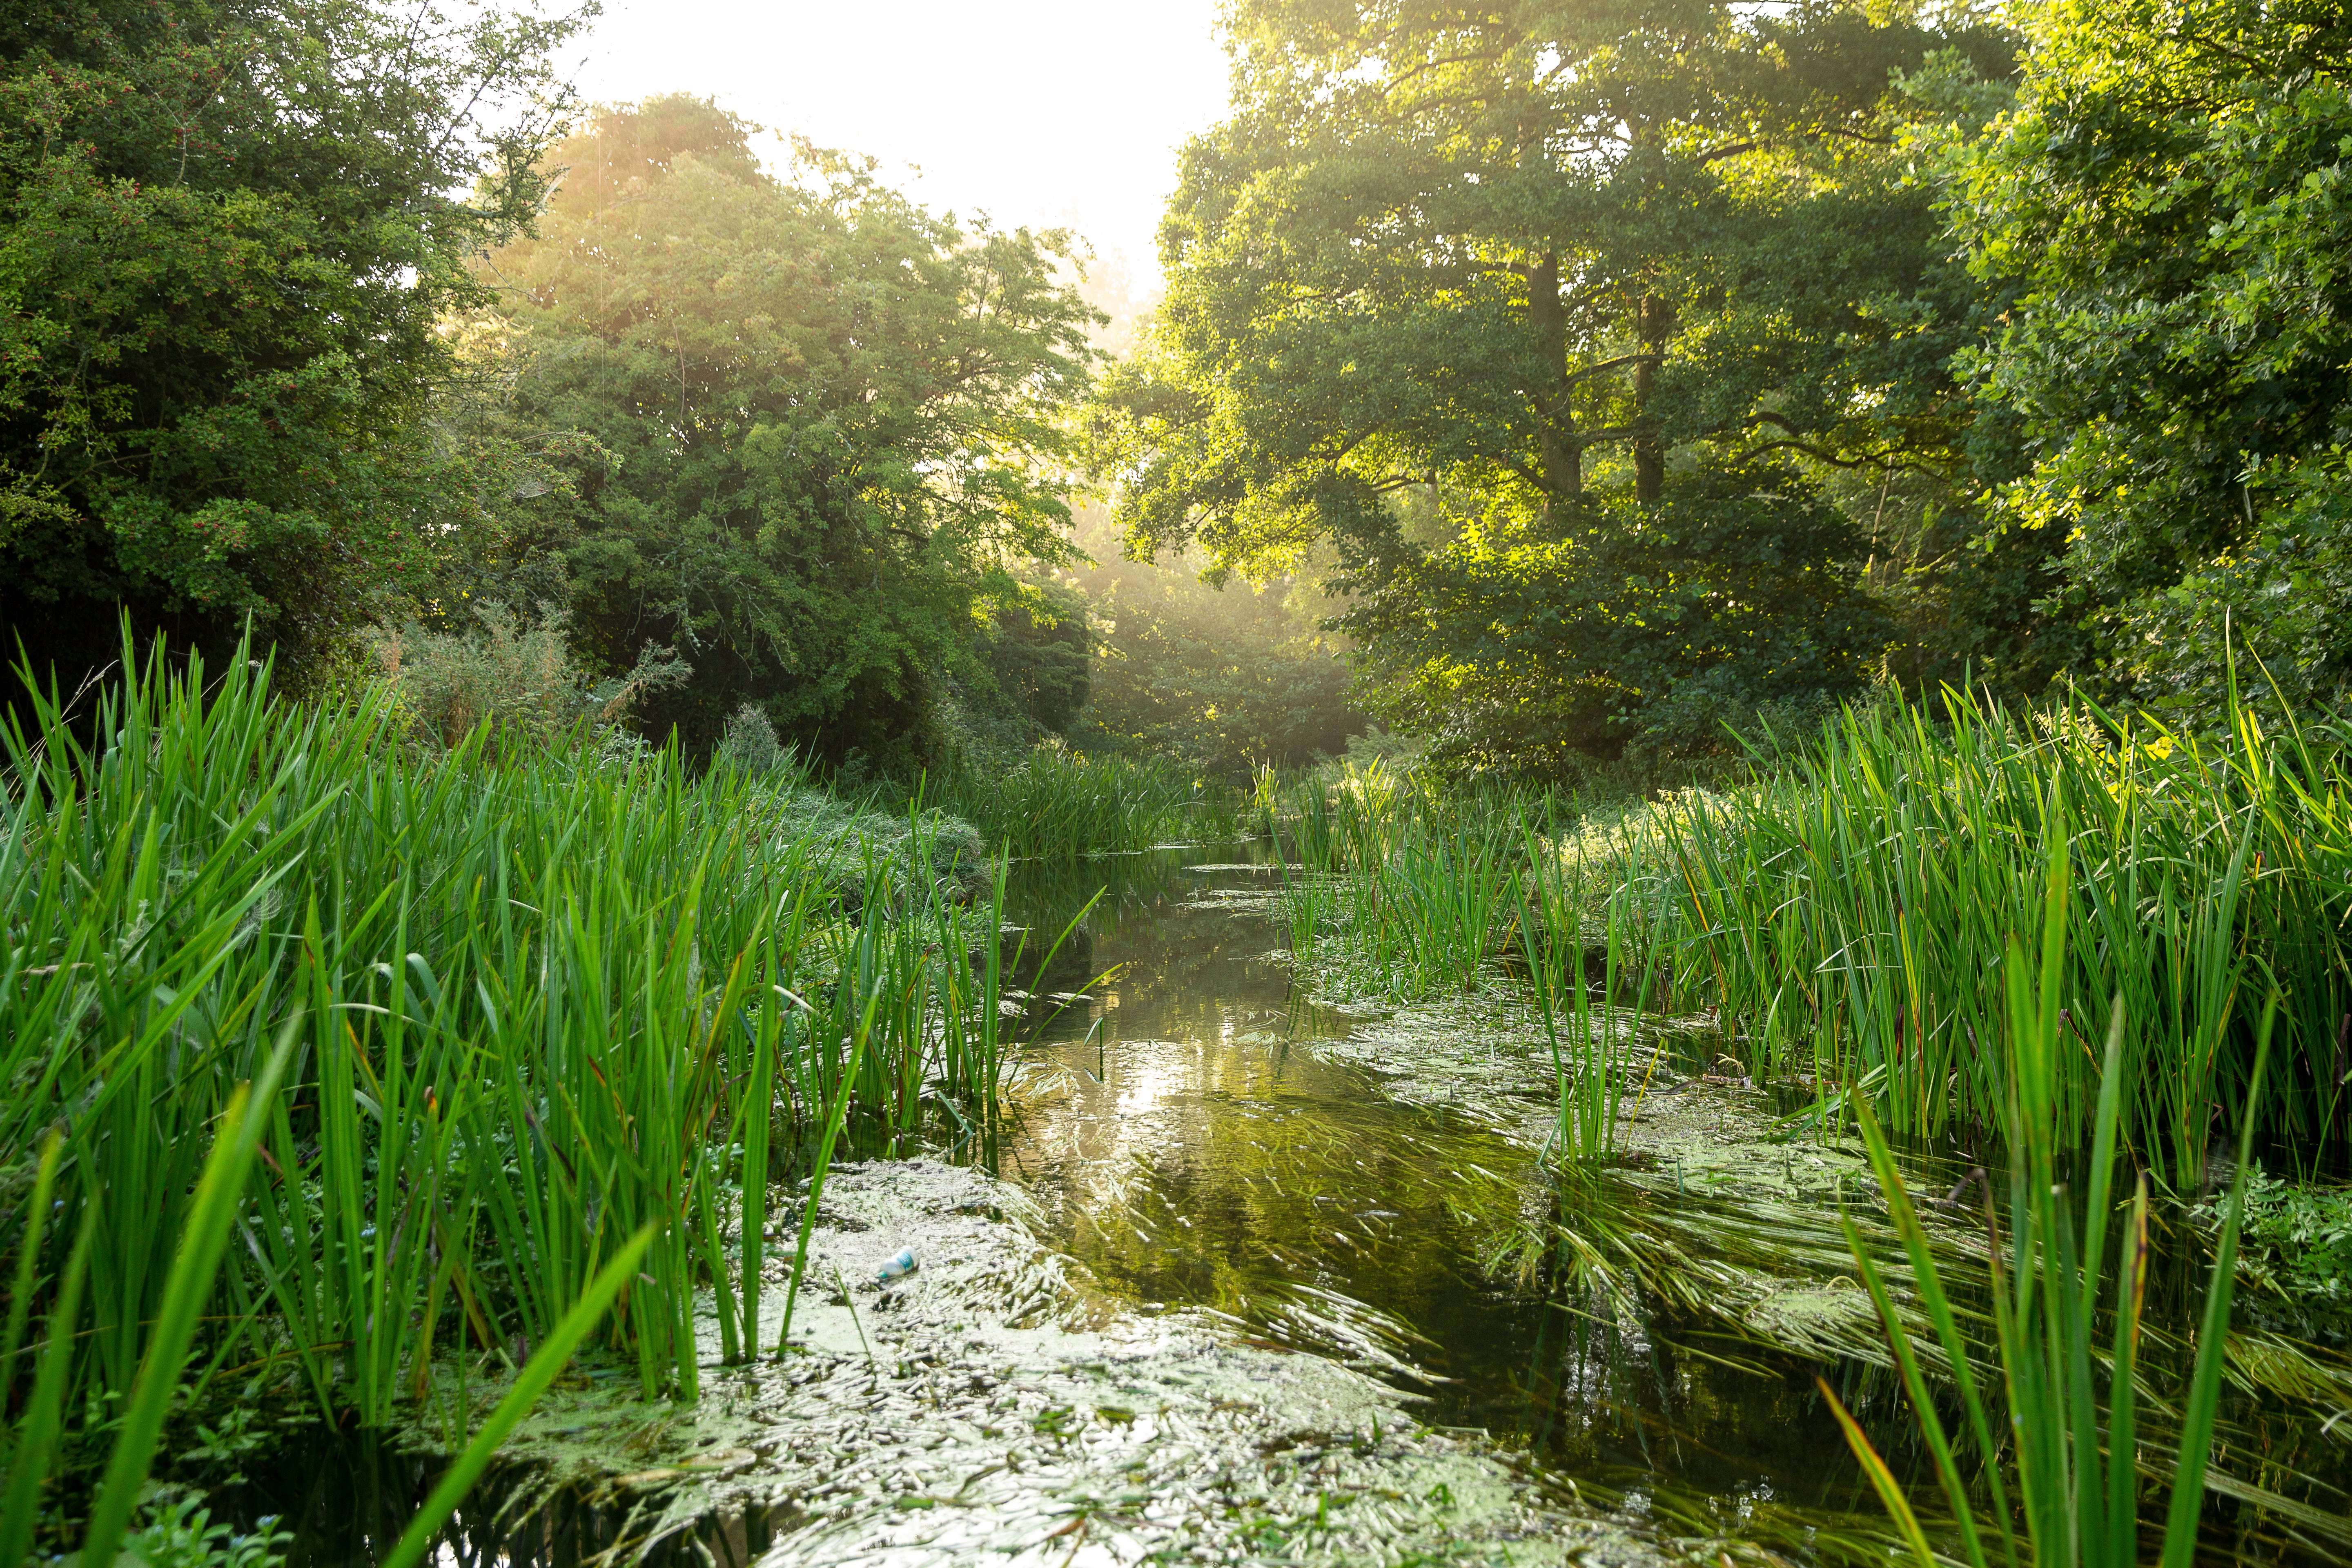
[
  {"x": 1844, "y": 914},
  {"x": 1061, "y": 804},
  {"x": 2074, "y": 1476},
  {"x": 1849, "y": 914},
  {"x": 1396, "y": 891},
  {"x": 530, "y": 1005},
  {"x": 1556, "y": 916},
  {"x": 2298, "y": 1242}
]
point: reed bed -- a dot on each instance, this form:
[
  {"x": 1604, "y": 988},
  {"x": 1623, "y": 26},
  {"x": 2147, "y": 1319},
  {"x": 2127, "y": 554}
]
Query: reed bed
[
  {"x": 2052, "y": 1461},
  {"x": 1397, "y": 892},
  {"x": 524, "y": 1012},
  {"x": 1847, "y": 912},
  {"x": 1851, "y": 916},
  {"x": 1061, "y": 804}
]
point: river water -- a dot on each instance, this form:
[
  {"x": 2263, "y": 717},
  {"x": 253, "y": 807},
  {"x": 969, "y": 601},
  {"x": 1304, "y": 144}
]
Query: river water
[{"x": 1199, "y": 1137}]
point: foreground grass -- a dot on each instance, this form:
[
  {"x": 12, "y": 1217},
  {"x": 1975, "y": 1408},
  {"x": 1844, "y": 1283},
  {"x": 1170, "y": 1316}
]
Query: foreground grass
[{"x": 523, "y": 1014}]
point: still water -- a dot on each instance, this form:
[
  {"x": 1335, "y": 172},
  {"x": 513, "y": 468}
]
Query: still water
[{"x": 1194, "y": 1143}]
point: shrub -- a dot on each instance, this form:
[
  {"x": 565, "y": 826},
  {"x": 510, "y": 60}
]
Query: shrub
[
  {"x": 750, "y": 744},
  {"x": 516, "y": 675}
]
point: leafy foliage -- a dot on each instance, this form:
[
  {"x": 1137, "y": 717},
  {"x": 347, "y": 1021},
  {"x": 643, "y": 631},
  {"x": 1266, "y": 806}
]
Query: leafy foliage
[
  {"x": 2298, "y": 1240},
  {"x": 1535, "y": 307},
  {"x": 229, "y": 230},
  {"x": 1523, "y": 645},
  {"x": 516, "y": 675},
  {"x": 2170, "y": 199},
  {"x": 1219, "y": 677},
  {"x": 809, "y": 432}
]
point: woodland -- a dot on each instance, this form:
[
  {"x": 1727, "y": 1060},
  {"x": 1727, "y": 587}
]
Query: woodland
[
  {"x": 1584, "y": 377},
  {"x": 1752, "y": 596}
]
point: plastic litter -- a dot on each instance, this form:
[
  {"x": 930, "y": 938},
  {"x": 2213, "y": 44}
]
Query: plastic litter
[{"x": 902, "y": 1263}]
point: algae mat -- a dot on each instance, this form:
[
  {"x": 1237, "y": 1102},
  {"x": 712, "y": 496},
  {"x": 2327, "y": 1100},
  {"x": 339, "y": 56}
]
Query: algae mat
[{"x": 994, "y": 1405}]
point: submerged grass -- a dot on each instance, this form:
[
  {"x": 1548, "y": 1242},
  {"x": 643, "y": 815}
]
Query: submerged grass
[{"x": 529, "y": 1008}]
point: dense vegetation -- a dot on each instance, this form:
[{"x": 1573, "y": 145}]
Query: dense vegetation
[
  {"x": 1924, "y": 428},
  {"x": 1847, "y": 918},
  {"x": 1596, "y": 379},
  {"x": 240, "y": 889},
  {"x": 799, "y": 431},
  {"x": 1652, "y": 366},
  {"x": 235, "y": 235}
]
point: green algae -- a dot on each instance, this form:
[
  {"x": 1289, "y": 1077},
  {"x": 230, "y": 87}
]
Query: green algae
[{"x": 997, "y": 1401}]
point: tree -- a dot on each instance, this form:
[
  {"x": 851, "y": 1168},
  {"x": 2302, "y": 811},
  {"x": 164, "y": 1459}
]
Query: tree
[
  {"x": 812, "y": 427},
  {"x": 1607, "y": 288},
  {"x": 2169, "y": 202},
  {"x": 228, "y": 231}
]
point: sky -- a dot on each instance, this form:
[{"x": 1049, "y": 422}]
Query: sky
[{"x": 1034, "y": 112}]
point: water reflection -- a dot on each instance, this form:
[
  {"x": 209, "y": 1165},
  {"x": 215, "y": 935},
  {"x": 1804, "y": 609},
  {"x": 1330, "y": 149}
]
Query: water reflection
[
  {"x": 1193, "y": 1142},
  {"x": 1193, "y": 1147},
  {"x": 345, "y": 1498}
]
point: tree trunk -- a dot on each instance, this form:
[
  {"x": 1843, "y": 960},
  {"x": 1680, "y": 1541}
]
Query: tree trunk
[
  {"x": 1562, "y": 453},
  {"x": 1654, "y": 320}
]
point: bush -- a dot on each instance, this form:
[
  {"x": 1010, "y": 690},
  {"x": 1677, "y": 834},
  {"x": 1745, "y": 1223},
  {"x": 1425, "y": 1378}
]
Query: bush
[
  {"x": 750, "y": 745},
  {"x": 842, "y": 838},
  {"x": 518, "y": 676}
]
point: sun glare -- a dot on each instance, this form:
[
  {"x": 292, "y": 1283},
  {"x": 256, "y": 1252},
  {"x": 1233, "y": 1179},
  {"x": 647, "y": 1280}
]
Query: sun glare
[{"x": 1041, "y": 111}]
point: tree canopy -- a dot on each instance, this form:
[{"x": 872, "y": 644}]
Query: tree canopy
[
  {"x": 1600, "y": 372},
  {"x": 809, "y": 427},
  {"x": 2168, "y": 203},
  {"x": 1597, "y": 296},
  {"x": 230, "y": 229}
]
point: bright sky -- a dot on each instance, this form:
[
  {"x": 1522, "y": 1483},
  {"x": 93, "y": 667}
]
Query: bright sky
[{"x": 1034, "y": 112}]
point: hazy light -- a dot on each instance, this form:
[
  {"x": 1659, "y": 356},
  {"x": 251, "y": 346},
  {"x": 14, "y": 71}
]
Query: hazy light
[{"x": 1034, "y": 112}]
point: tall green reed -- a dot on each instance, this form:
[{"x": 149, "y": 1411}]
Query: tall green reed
[
  {"x": 1059, "y": 804},
  {"x": 1566, "y": 902},
  {"x": 1850, "y": 913},
  {"x": 533, "y": 1006},
  {"x": 1847, "y": 910},
  {"x": 1397, "y": 890},
  {"x": 2050, "y": 1455}
]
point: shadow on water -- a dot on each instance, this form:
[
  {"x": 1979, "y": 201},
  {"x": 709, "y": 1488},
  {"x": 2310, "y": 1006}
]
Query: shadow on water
[{"x": 345, "y": 1498}]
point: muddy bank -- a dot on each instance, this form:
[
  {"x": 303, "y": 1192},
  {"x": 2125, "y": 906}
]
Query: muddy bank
[{"x": 994, "y": 1402}]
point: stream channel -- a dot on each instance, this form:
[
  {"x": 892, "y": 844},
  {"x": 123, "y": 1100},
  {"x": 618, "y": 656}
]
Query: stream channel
[
  {"x": 1367, "y": 1185},
  {"x": 1202, "y": 1135}
]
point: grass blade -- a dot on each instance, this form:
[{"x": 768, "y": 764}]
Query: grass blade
[{"x": 545, "y": 1364}]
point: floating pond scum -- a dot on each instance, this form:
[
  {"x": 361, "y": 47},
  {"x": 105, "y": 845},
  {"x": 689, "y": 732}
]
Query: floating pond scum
[{"x": 1233, "y": 1245}]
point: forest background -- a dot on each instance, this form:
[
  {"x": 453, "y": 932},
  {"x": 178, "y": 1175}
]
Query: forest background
[{"x": 1565, "y": 387}]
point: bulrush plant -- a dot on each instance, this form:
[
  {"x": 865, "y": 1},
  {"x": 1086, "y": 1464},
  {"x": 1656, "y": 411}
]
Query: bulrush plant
[
  {"x": 1848, "y": 914},
  {"x": 1420, "y": 895},
  {"x": 2047, "y": 1456},
  {"x": 534, "y": 1009},
  {"x": 1058, "y": 804},
  {"x": 1843, "y": 912},
  {"x": 1562, "y": 904}
]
